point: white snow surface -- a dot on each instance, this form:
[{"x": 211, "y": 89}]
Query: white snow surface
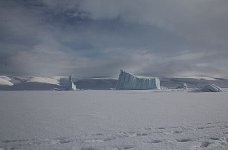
[
  {"x": 4, "y": 80},
  {"x": 54, "y": 81},
  {"x": 113, "y": 120}
]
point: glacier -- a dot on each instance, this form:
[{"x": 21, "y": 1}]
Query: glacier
[{"x": 127, "y": 81}]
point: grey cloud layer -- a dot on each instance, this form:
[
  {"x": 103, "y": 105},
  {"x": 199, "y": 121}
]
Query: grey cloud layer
[{"x": 98, "y": 37}]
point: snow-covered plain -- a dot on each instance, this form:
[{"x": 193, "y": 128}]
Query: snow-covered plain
[{"x": 115, "y": 120}]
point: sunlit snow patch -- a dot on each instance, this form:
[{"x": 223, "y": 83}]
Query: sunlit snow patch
[
  {"x": 4, "y": 80},
  {"x": 43, "y": 80}
]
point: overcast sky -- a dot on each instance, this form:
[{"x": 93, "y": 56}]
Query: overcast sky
[{"x": 99, "y": 37}]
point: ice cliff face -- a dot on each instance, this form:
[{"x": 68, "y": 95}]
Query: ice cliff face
[{"x": 127, "y": 81}]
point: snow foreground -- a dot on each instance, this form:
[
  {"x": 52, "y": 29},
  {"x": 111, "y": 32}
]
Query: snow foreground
[{"x": 113, "y": 120}]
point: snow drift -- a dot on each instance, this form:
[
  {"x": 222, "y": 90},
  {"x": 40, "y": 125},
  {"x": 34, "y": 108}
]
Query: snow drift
[{"x": 127, "y": 81}]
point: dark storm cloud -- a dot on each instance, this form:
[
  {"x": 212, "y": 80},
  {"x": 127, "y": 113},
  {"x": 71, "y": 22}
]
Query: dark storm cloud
[{"x": 98, "y": 37}]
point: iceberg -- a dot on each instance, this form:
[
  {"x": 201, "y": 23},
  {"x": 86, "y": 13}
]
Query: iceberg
[
  {"x": 71, "y": 86},
  {"x": 183, "y": 86},
  {"x": 127, "y": 81},
  {"x": 211, "y": 88}
]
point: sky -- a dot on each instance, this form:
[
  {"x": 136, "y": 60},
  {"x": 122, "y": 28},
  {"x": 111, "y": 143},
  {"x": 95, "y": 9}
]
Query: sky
[{"x": 88, "y": 38}]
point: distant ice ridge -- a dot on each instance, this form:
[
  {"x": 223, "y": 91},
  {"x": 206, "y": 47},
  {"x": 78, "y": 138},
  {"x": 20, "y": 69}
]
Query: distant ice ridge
[
  {"x": 43, "y": 80},
  {"x": 127, "y": 81},
  {"x": 60, "y": 83},
  {"x": 5, "y": 81}
]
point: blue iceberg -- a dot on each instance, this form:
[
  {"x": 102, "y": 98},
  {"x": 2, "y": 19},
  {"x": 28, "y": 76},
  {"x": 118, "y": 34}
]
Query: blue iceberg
[{"x": 127, "y": 81}]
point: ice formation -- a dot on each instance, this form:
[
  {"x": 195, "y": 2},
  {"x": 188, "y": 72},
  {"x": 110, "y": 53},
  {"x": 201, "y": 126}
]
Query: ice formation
[
  {"x": 211, "y": 88},
  {"x": 71, "y": 86},
  {"x": 183, "y": 86},
  {"x": 127, "y": 81}
]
